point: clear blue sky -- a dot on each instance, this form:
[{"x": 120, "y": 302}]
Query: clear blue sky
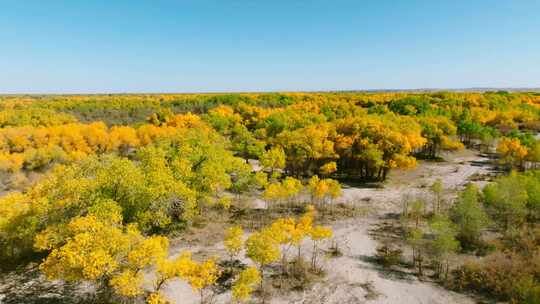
[{"x": 190, "y": 46}]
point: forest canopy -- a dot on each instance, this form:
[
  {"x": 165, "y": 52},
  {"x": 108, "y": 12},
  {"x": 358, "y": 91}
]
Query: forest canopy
[{"x": 94, "y": 184}]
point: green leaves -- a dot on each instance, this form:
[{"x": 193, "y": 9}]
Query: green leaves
[{"x": 469, "y": 215}]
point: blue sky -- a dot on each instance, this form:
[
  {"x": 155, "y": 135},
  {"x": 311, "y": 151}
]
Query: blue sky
[{"x": 200, "y": 46}]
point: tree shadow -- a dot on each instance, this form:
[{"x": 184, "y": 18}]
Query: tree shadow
[
  {"x": 28, "y": 286},
  {"x": 391, "y": 273}
]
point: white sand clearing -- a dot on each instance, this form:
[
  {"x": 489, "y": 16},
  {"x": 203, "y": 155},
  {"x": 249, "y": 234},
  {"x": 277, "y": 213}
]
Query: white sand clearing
[{"x": 353, "y": 278}]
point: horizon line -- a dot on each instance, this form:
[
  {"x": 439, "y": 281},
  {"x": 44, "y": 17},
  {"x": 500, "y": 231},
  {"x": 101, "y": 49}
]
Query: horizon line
[{"x": 479, "y": 89}]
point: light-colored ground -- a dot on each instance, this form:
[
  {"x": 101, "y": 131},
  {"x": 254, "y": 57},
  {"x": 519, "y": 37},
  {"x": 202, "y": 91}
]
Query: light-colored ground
[
  {"x": 349, "y": 275},
  {"x": 353, "y": 278}
]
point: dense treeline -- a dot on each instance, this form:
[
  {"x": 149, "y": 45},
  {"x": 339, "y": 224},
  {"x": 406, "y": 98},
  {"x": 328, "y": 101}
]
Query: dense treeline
[{"x": 366, "y": 135}]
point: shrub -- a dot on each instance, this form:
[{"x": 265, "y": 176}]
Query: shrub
[
  {"x": 388, "y": 256},
  {"x": 504, "y": 276}
]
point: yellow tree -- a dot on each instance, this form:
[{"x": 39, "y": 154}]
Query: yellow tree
[
  {"x": 156, "y": 298},
  {"x": 245, "y": 284},
  {"x": 283, "y": 230},
  {"x": 202, "y": 275},
  {"x": 147, "y": 252},
  {"x": 274, "y": 192},
  {"x": 286, "y": 190},
  {"x": 167, "y": 269},
  {"x": 303, "y": 228},
  {"x": 291, "y": 187},
  {"x": 122, "y": 138},
  {"x": 317, "y": 234},
  {"x": 92, "y": 251},
  {"x": 512, "y": 151},
  {"x": 273, "y": 159},
  {"x": 233, "y": 241},
  {"x": 101, "y": 251},
  {"x": 321, "y": 189},
  {"x": 262, "y": 249},
  {"x": 328, "y": 168}
]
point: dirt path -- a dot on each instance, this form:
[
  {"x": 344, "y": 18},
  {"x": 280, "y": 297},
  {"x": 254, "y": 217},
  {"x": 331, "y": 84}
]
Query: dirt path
[{"x": 353, "y": 278}]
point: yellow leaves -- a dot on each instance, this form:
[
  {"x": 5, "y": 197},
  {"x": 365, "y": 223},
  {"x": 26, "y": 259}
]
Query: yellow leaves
[
  {"x": 156, "y": 298},
  {"x": 233, "y": 240},
  {"x": 22, "y": 116},
  {"x": 262, "y": 248},
  {"x": 245, "y": 283},
  {"x": 303, "y": 226},
  {"x": 377, "y": 140},
  {"x": 291, "y": 186},
  {"x": 149, "y": 133},
  {"x": 37, "y": 146},
  {"x": 11, "y": 162},
  {"x": 167, "y": 269},
  {"x": 290, "y": 231},
  {"x": 96, "y": 136},
  {"x": 274, "y": 191},
  {"x": 319, "y": 233},
  {"x": 402, "y": 161},
  {"x": 317, "y": 187},
  {"x": 107, "y": 210},
  {"x": 323, "y": 188},
  {"x": 451, "y": 144},
  {"x": 273, "y": 158},
  {"x": 123, "y": 137},
  {"x": 128, "y": 283},
  {"x": 91, "y": 251},
  {"x": 79, "y": 259},
  {"x": 224, "y": 202},
  {"x": 49, "y": 238},
  {"x": 198, "y": 275},
  {"x": 186, "y": 121},
  {"x": 311, "y": 142},
  {"x": 513, "y": 147},
  {"x": 262, "y": 179},
  {"x": 12, "y": 205},
  {"x": 18, "y": 139},
  {"x": 512, "y": 151},
  {"x": 224, "y": 111},
  {"x": 148, "y": 252},
  {"x": 287, "y": 189},
  {"x": 283, "y": 230},
  {"x": 203, "y": 274},
  {"x": 328, "y": 168},
  {"x": 184, "y": 264}
]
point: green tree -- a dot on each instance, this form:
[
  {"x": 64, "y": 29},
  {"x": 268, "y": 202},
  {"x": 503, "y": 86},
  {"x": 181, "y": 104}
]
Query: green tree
[
  {"x": 506, "y": 199},
  {"x": 273, "y": 159},
  {"x": 469, "y": 216},
  {"x": 437, "y": 189},
  {"x": 443, "y": 244},
  {"x": 415, "y": 238}
]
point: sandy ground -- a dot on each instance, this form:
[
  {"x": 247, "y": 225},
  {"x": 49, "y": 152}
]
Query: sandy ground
[{"x": 353, "y": 278}]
